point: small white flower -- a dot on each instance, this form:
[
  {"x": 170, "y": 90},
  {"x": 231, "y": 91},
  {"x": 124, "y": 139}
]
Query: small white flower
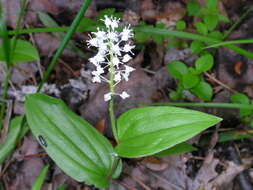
[
  {"x": 93, "y": 42},
  {"x": 100, "y": 35},
  {"x": 126, "y": 58},
  {"x": 113, "y": 36},
  {"x": 97, "y": 58},
  {"x": 115, "y": 61},
  {"x": 117, "y": 77},
  {"x": 96, "y": 78},
  {"x": 126, "y": 34},
  {"x": 108, "y": 96},
  {"x": 124, "y": 95},
  {"x": 129, "y": 69},
  {"x": 116, "y": 49},
  {"x": 128, "y": 48},
  {"x": 103, "y": 48},
  {"x": 111, "y": 22}
]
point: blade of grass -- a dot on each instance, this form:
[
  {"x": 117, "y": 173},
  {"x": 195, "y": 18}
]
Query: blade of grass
[
  {"x": 227, "y": 33},
  {"x": 248, "y": 41},
  {"x": 228, "y": 136},
  {"x": 5, "y": 39},
  {"x": 39, "y": 181},
  {"x": 162, "y": 32},
  {"x": 23, "y": 6},
  {"x": 9, "y": 49},
  {"x": 186, "y": 35},
  {"x": 65, "y": 41},
  {"x": 16, "y": 132},
  {"x": 210, "y": 105}
]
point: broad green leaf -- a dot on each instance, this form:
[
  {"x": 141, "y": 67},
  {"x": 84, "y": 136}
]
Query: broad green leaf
[
  {"x": 241, "y": 99},
  {"x": 193, "y": 8},
  {"x": 24, "y": 52},
  {"x": 204, "y": 63},
  {"x": 76, "y": 147},
  {"x": 177, "y": 149},
  {"x": 203, "y": 90},
  {"x": 223, "y": 18},
  {"x": 149, "y": 130},
  {"x": 180, "y": 25},
  {"x": 201, "y": 28},
  {"x": 190, "y": 80},
  {"x": 212, "y": 4},
  {"x": 177, "y": 69},
  {"x": 197, "y": 46},
  {"x": 11, "y": 140},
  {"x": 216, "y": 34},
  {"x": 211, "y": 21},
  {"x": 40, "y": 180}
]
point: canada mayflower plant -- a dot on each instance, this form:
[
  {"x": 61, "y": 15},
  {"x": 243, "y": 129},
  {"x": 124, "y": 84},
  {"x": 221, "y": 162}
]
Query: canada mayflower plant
[
  {"x": 114, "y": 51},
  {"x": 85, "y": 154}
]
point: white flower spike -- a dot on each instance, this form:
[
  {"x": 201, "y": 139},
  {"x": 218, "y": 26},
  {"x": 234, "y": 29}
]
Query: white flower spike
[{"x": 113, "y": 54}]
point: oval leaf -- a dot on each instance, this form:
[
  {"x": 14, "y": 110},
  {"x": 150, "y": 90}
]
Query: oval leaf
[
  {"x": 177, "y": 69},
  {"x": 76, "y": 147},
  {"x": 11, "y": 140},
  {"x": 190, "y": 80},
  {"x": 24, "y": 52},
  {"x": 149, "y": 130},
  {"x": 204, "y": 63},
  {"x": 203, "y": 90}
]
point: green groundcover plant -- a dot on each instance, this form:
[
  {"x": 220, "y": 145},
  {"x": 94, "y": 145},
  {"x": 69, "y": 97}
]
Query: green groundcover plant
[{"x": 85, "y": 154}]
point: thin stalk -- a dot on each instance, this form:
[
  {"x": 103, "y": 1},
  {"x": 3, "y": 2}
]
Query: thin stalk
[
  {"x": 5, "y": 92},
  {"x": 114, "y": 166},
  {"x": 8, "y": 56},
  {"x": 249, "y": 41},
  {"x": 64, "y": 42},
  {"x": 210, "y": 105},
  {"x": 227, "y": 33},
  {"x": 18, "y": 26},
  {"x": 111, "y": 104}
]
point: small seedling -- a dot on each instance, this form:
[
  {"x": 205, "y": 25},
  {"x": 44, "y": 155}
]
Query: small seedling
[
  {"x": 246, "y": 114},
  {"x": 190, "y": 78}
]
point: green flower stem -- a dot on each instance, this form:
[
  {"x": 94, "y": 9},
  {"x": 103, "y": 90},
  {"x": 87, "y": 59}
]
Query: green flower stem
[
  {"x": 111, "y": 104},
  {"x": 5, "y": 92}
]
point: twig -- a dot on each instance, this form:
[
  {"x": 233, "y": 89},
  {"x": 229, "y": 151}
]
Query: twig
[
  {"x": 163, "y": 179},
  {"x": 135, "y": 178},
  {"x": 220, "y": 83},
  {"x": 243, "y": 178},
  {"x": 37, "y": 62},
  {"x": 128, "y": 186}
]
